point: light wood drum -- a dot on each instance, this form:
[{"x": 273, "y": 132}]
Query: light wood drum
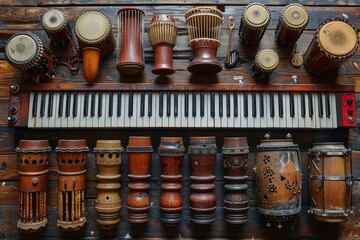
[
  {"x": 56, "y": 25},
  {"x": 266, "y": 61}
]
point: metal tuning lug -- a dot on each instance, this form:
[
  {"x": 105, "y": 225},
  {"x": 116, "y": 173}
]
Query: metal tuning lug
[
  {"x": 12, "y": 119},
  {"x": 14, "y": 88}
]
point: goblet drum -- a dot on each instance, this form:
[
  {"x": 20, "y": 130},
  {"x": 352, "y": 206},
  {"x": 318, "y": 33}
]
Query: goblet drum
[
  {"x": 204, "y": 27},
  {"x": 335, "y": 41},
  {"x": 33, "y": 159},
  {"x": 162, "y": 35},
  {"x": 56, "y": 26},
  {"x": 26, "y": 52},
  {"x": 330, "y": 181},
  {"x": 266, "y": 61}
]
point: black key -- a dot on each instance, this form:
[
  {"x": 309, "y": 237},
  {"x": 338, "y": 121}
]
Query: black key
[
  {"x": 75, "y": 105},
  {"x": 118, "y": 107},
  {"x": 202, "y": 103},
  {"x": 51, "y": 104},
  {"x": 302, "y": 100},
  {"x": 67, "y": 107},
  {"x": 236, "y": 105},
  {"x": 194, "y": 104},
  {"x": 150, "y": 104},
  {"x": 61, "y": 104},
  {"x": 186, "y": 104},
  {"x": 254, "y": 104},
  {"x": 176, "y": 104},
  {"x": 320, "y": 105},
  {"x": 261, "y": 94},
  {"x": 111, "y": 103},
  {"x": 327, "y": 104},
  {"x": 220, "y": 104},
  {"x": 142, "y": 104},
  {"x": 161, "y": 103},
  {"x": 131, "y": 104},
  {"x": 272, "y": 105},
  {"x": 35, "y": 99},
  {"x": 292, "y": 105},
  {"x": 281, "y": 105},
  {"x": 100, "y": 104},
  {"x": 311, "y": 107},
  {"x": 212, "y": 103},
  {"x": 42, "y": 104},
  {"x": 168, "y": 104},
  {"x": 92, "y": 106},
  {"x": 246, "y": 109},
  {"x": 86, "y": 104},
  {"x": 228, "y": 104}
]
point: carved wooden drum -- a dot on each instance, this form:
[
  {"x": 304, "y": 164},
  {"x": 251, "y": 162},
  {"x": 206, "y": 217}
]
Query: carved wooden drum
[
  {"x": 335, "y": 41},
  {"x": 26, "y": 52},
  {"x": 266, "y": 61},
  {"x": 56, "y": 25},
  {"x": 330, "y": 181}
]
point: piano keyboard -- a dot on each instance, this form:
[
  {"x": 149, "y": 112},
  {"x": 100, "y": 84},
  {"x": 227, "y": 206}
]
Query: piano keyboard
[{"x": 182, "y": 109}]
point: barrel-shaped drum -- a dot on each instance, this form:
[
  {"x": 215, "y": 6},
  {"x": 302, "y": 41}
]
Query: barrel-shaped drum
[
  {"x": 330, "y": 181},
  {"x": 266, "y": 61},
  {"x": 56, "y": 26}
]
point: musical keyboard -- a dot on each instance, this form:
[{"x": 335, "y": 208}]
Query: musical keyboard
[{"x": 222, "y": 108}]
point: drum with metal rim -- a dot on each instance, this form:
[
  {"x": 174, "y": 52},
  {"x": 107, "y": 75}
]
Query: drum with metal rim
[
  {"x": 266, "y": 61},
  {"x": 56, "y": 25}
]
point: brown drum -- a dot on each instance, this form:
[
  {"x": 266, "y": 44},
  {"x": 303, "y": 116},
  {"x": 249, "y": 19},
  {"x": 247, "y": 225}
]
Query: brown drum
[
  {"x": 71, "y": 158},
  {"x": 130, "y": 41},
  {"x": 254, "y": 20},
  {"x": 26, "y": 52},
  {"x": 330, "y": 181},
  {"x": 162, "y": 35},
  {"x": 335, "y": 41},
  {"x": 108, "y": 156},
  {"x": 94, "y": 33},
  {"x": 278, "y": 179},
  {"x": 33, "y": 159},
  {"x": 57, "y": 27},
  {"x": 266, "y": 61},
  {"x": 204, "y": 27},
  {"x": 293, "y": 20},
  {"x": 171, "y": 153},
  {"x": 202, "y": 156},
  {"x": 139, "y": 152},
  {"x": 235, "y": 155}
]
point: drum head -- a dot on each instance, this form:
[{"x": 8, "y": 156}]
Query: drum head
[
  {"x": 53, "y": 20},
  {"x": 267, "y": 59},
  {"x": 256, "y": 15},
  {"x": 338, "y": 38},
  {"x": 92, "y": 27},
  {"x": 295, "y": 16},
  {"x": 21, "y": 49}
]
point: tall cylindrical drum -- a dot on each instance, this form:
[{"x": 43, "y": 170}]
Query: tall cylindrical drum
[
  {"x": 139, "y": 151},
  {"x": 330, "y": 181},
  {"x": 108, "y": 156},
  {"x": 71, "y": 155},
  {"x": 33, "y": 159},
  {"x": 278, "y": 179},
  {"x": 235, "y": 156},
  {"x": 266, "y": 61},
  {"x": 171, "y": 153},
  {"x": 202, "y": 156},
  {"x": 56, "y": 26}
]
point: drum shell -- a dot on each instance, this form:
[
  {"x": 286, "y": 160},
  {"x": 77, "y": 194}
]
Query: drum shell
[
  {"x": 287, "y": 36},
  {"x": 202, "y": 155},
  {"x": 235, "y": 155},
  {"x": 139, "y": 153},
  {"x": 61, "y": 35}
]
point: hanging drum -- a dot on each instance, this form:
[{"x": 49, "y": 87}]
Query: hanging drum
[
  {"x": 293, "y": 20},
  {"x": 254, "y": 20},
  {"x": 130, "y": 41},
  {"x": 335, "y": 41},
  {"x": 26, "y": 52},
  {"x": 57, "y": 27},
  {"x": 266, "y": 61},
  {"x": 108, "y": 156},
  {"x": 94, "y": 34},
  {"x": 162, "y": 35},
  {"x": 71, "y": 158},
  {"x": 204, "y": 27},
  {"x": 330, "y": 181},
  {"x": 33, "y": 159},
  {"x": 278, "y": 179}
]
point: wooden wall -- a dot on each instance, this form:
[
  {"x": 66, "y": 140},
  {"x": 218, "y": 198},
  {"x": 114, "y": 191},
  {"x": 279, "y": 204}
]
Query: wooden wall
[{"x": 25, "y": 15}]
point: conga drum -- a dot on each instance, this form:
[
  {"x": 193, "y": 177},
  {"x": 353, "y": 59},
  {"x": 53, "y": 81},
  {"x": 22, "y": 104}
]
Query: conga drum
[
  {"x": 266, "y": 61},
  {"x": 56, "y": 26},
  {"x": 26, "y": 52},
  {"x": 71, "y": 157},
  {"x": 162, "y": 35},
  {"x": 330, "y": 181},
  {"x": 335, "y": 41},
  {"x": 204, "y": 27},
  {"x": 235, "y": 157},
  {"x": 33, "y": 158},
  {"x": 130, "y": 41},
  {"x": 96, "y": 40},
  {"x": 293, "y": 20},
  {"x": 202, "y": 156},
  {"x": 278, "y": 179},
  {"x": 171, "y": 153},
  {"x": 254, "y": 20},
  {"x": 108, "y": 156}
]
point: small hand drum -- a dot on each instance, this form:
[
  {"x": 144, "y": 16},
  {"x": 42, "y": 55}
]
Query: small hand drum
[
  {"x": 266, "y": 61},
  {"x": 57, "y": 27}
]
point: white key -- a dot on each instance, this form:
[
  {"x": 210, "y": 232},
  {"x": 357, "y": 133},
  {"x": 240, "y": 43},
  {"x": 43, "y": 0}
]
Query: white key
[
  {"x": 286, "y": 101},
  {"x": 125, "y": 105},
  {"x": 45, "y": 118},
  {"x": 56, "y": 113},
  {"x": 257, "y": 122},
  {"x": 158, "y": 118},
  {"x": 238, "y": 119},
  {"x": 146, "y": 118},
  {"x": 224, "y": 117},
  {"x": 123, "y": 110},
  {"x": 217, "y": 117},
  {"x": 316, "y": 110},
  {"x": 198, "y": 115},
  {"x": 282, "y": 120},
  {"x": 231, "y": 117},
  {"x": 191, "y": 118},
  {"x": 333, "y": 110},
  {"x": 76, "y": 119},
  {"x": 52, "y": 118},
  {"x": 137, "y": 110},
  {"x": 267, "y": 121},
  {"x": 115, "y": 119},
  {"x": 172, "y": 117},
  {"x": 31, "y": 119},
  {"x": 82, "y": 118},
  {"x": 207, "y": 120},
  {"x": 323, "y": 122},
  {"x": 250, "y": 118},
  {"x": 107, "y": 120},
  {"x": 153, "y": 117},
  {"x": 165, "y": 118},
  {"x": 180, "y": 116},
  {"x": 243, "y": 119},
  {"x": 66, "y": 121},
  {"x": 39, "y": 118},
  {"x": 301, "y": 120}
]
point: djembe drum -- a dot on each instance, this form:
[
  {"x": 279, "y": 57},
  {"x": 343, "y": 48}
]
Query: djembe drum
[
  {"x": 71, "y": 158},
  {"x": 235, "y": 154},
  {"x": 335, "y": 41},
  {"x": 130, "y": 41},
  {"x": 202, "y": 156},
  {"x": 139, "y": 152},
  {"x": 162, "y": 35},
  {"x": 266, "y": 61},
  {"x": 254, "y": 20},
  {"x": 171, "y": 153},
  {"x": 278, "y": 179},
  {"x": 108, "y": 156},
  {"x": 26, "y": 52},
  {"x": 95, "y": 37},
  {"x": 204, "y": 27},
  {"x": 33, "y": 158},
  {"x": 330, "y": 181},
  {"x": 293, "y": 20},
  {"x": 56, "y": 25}
]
